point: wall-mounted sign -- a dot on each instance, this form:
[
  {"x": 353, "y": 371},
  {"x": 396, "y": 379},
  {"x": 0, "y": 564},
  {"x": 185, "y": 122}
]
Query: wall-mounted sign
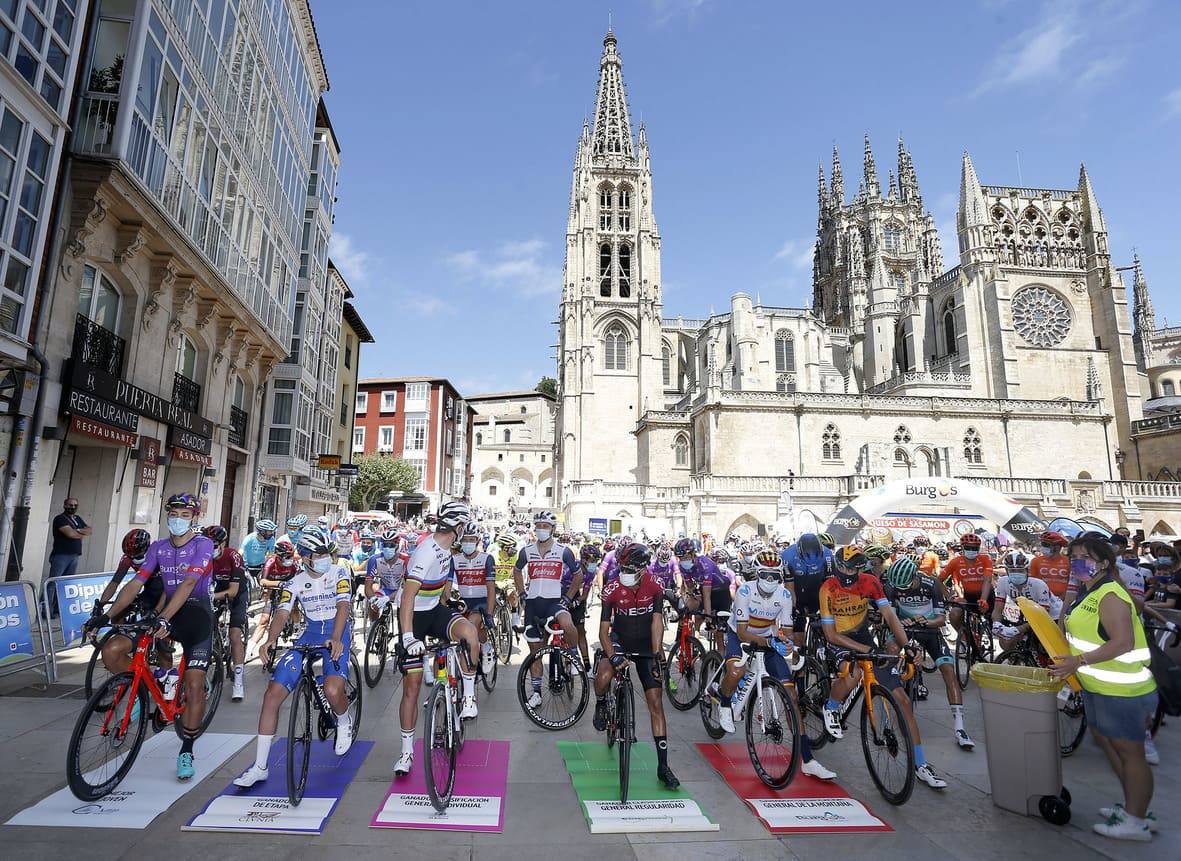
[
  {"x": 184, "y": 456},
  {"x": 328, "y": 461},
  {"x": 95, "y": 382},
  {"x": 81, "y": 404},
  {"x": 149, "y": 462},
  {"x": 187, "y": 439},
  {"x": 101, "y": 432},
  {"x": 349, "y": 469}
]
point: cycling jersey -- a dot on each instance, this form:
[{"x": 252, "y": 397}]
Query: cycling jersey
[
  {"x": 545, "y": 570},
  {"x": 255, "y": 550},
  {"x": 585, "y": 578},
  {"x": 1133, "y": 577},
  {"x": 929, "y": 562},
  {"x": 431, "y": 568},
  {"x": 705, "y": 573},
  {"x": 360, "y": 557},
  {"x": 152, "y": 590},
  {"x": 922, "y": 600},
  {"x": 226, "y": 569},
  {"x": 847, "y": 607},
  {"x": 665, "y": 575},
  {"x": 387, "y": 574},
  {"x": 763, "y": 615},
  {"x": 274, "y": 570},
  {"x": 175, "y": 565},
  {"x": 610, "y": 568},
  {"x": 1034, "y": 589},
  {"x": 630, "y": 612},
  {"x": 969, "y": 574},
  {"x": 807, "y": 574},
  {"x": 1054, "y": 571},
  {"x": 504, "y": 569},
  {"x": 476, "y": 577},
  {"x": 318, "y": 595}
]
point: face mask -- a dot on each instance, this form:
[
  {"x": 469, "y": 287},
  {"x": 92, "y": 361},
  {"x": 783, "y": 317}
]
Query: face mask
[
  {"x": 321, "y": 566},
  {"x": 70, "y": 509},
  {"x": 1018, "y": 578},
  {"x": 1084, "y": 568},
  {"x": 1048, "y": 550},
  {"x": 592, "y": 567},
  {"x": 971, "y": 554},
  {"x": 686, "y": 565},
  {"x": 178, "y": 526},
  {"x": 388, "y": 553},
  {"x": 767, "y": 586},
  {"x": 629, "y": 578},
  {"x": 544, "y": 534},
  {"x": 469, "y": 547}
]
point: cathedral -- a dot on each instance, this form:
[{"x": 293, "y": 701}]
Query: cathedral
[{"x": 1018, "y": 369}]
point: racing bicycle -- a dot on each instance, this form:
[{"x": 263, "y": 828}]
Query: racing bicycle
[
  {"x": 380, "y": 643},
  {"x": 443, "y": 733},
  {"x": 973, "y": 643},
  {"x": 684, "y": 680},
  {"x": 505, "y": 634},
  {"x": 564, "y": 689},
  {"x": 621, "y": 715}
]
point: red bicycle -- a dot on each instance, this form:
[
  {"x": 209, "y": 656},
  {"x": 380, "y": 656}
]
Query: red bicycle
[
  {"x": 685, "y": 674},
  {"x": 113, "y": 724}
]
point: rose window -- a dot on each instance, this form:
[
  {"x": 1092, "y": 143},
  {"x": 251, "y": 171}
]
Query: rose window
[{"x": 1041, "y": 317}]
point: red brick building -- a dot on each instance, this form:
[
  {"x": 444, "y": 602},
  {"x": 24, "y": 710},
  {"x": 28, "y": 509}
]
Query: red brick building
[{"x": 423, "y": 420}]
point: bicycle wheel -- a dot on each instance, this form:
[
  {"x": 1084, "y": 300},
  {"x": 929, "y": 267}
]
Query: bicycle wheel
[
  {"x": 564, "y": 689},
  {"x": 812, "y": 687},
  {"x": 888, "y": 747},
  {"x": 1072, "y": 723},
  {"x": 299, "y": 740},
  {"x": 708, "y": 702},
  {"x": 96, "y": 671},
  {"x": 773, "y": 735},
  {"x": 489, "y": 679},
  {"x": 353, "y": 690},
  {"x": 439, "y": 749},
  {"x": 99, "y": 754},
  {"x": 509, "y": 633},
  {"x": 376, "y": 645},
  {"x": 982, "y": 635},
  {"x": 683, "y": 679},
  {"x": 626, "y": 728},
  {"x": 963, "y": 657}
]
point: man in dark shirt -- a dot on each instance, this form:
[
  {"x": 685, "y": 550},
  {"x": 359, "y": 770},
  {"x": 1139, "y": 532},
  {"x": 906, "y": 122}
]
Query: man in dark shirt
[{"x": 68, "y": 531}]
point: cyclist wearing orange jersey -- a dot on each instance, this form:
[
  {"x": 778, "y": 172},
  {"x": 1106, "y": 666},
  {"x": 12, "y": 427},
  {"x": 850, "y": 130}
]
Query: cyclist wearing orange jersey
[
  {"x": 970, "y": 577},
  {"x": 928, "y": 559},
  {"x": 1053, "y": 566}
]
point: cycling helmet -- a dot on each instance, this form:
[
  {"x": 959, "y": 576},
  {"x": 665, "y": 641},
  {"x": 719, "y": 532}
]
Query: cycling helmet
[
  {"x": 608, "y": 545},
  {"x": 901, "y": 573},
  {"x": 877, "y": 551},
  {"x": 809, "y": 545},
  {"x": 968, "y": 541},
  {"x": 313, "y": 542},
  {"x": 1054, "y": 539},
  {"x": 851, "y": 558},
  {"x": 285, "y": 551},
  {"x": 826, "y": 540},
  {"x": 921, "y": 541},
  {"x": 591, "y": 553},
  {"x": 507, "y": 541},
  {"x": 544, "y": 517},
  {"x": 624, "y": 541},
  {"x": 216, "y": 534},
  {"x": 1015, "y": 560},
  {"x": 684, "y": 547},
  {"x": 720, "y": 555},
  {"x": 367, "y": 535},
  {"x": 633, "y": 557},
  {"x": 471, "y": 529},
  {"x": 183, "y": 500},
  {"x": 452, "y": 515},
  {"x": 664, "y": 556},
  {"x": 265, "y": 525},
  {"x": 135, "y": 543},
  {"x": 297, "y": 521},
  {"x": 768, "y": 560},
  {"x": 391, "y": 537}
]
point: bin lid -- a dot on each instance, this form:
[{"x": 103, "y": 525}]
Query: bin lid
[{"x": 1002, "y": 677}]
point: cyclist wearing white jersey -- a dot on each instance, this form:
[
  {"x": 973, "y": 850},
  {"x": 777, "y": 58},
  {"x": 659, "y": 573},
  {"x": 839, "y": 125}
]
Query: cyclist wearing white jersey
[{"x": 475, "y": 577}]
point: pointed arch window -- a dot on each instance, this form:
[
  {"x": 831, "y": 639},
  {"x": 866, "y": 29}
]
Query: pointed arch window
[
  {"x": 681, "y": 450},
  {"x": 623, "y": 217},
  {"x": 785, "y": 352},
  {"x": 666, "y": 361},
  {"x": 901, "y": 458},
  {"x": 625, "y": 271},
  {"x": 615, "y": 348},
  {"x": 950, "y": 339},
  {"x": 831, "y": 442},
  {"x": 785, "y": 383},
  {"x": 973, "y": 452},
  {"x": 605, "y": 269},
  {"x": 892, "y": 236},
  {"x": 606, "y": 216}
]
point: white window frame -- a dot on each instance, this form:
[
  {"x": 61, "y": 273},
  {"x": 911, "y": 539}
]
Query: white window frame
[
  {"x": 382, "y": 445},
  {"x": 412, "y": 426},
  {"x": 358, "y": 440},
  {"x": 389, "y": 402},
  {"x": 416, "y": 393},
  {"x": 362, "y": 403}
]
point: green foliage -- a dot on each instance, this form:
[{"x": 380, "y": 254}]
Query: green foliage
[
  {"x": 379, "y": 474},
  {"x": 547, "y": 386}
]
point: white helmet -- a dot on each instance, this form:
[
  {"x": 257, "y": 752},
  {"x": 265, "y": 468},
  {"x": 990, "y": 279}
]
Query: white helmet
[
  {"x": 546, "y": 517},
  {"x": 452, "y": 516}
]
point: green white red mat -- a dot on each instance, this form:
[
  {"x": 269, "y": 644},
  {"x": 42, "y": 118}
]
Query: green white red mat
[{"x": 594, "y": 770}]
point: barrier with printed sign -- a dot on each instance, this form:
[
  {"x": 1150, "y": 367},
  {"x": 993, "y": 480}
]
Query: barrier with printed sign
[
  {"x": 24, "y": 641},
  {"x": 76, "y": 595}
]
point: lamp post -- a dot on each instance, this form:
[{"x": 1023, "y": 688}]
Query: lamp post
[{"x": 1120, "y": 457}]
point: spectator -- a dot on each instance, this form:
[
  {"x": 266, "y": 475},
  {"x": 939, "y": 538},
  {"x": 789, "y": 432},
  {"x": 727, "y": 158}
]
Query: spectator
[{"x": 68, "y": 531}]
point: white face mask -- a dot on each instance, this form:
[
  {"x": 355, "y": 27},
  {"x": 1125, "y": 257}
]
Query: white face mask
[
  {"x": 544, "y": 534},
  {"x": 629, "y": 578},
  {"x": 321, "y": 566},
  {"x": 468, "y": 547},
  {"x": 767, "y": 587},
  {"x": 971, "y": 554}
]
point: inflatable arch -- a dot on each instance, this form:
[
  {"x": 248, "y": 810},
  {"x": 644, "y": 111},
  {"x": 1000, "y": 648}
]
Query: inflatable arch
[{"x": 1013, "y": 517}]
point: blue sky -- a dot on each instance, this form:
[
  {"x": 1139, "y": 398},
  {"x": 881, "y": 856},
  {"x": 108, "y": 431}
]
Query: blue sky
[{"x": 458, "y": 123}]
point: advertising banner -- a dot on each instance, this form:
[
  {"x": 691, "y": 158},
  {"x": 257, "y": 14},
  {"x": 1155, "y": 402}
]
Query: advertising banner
[
  {"x": 75, "y": 599},
  {"x": 16, "y": 632},
  {"x": 598, "y": 526},
  {"x": 89, "y": 379}
]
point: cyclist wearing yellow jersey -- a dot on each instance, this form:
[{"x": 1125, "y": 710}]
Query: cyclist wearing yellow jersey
[{"x": 506, "y": 558}]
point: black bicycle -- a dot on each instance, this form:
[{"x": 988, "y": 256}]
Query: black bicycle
[
  {"x": 379, "y": 645},
  {"x": 308, "y": 695},
  {"x": 562, "y": 694},
  {"x": 621, "y": 715},
  {"x": 973, "y": 643},
  {"x": 505, "y": 633},
  {"x": 444, "y": 731}
]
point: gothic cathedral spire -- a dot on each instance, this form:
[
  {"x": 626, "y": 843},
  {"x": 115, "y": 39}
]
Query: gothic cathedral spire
[
  {"x": 613, "y": 132},
  {"x": 1144, "y": 317},
  {"x": 838, "y": 180},
  {"x": 872, "y": 187}
]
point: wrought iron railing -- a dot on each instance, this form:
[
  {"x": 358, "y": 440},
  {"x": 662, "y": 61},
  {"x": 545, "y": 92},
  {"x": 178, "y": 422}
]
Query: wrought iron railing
[
  {"x": 186, "y": 393},
  {"x": 239, "y": 420},
  {"x": 98, "y": 346}
]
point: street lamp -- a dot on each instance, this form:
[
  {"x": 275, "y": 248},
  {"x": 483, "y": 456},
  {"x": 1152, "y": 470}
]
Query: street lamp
[{"x": 1120, "y": 457}]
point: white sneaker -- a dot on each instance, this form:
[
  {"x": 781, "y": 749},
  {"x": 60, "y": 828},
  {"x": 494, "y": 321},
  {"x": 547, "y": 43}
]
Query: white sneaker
[
  {"x": 344, "y": 739},
  {"x": 1118, "y": 810},
  {"x": 726, "y": 718},
  {"x": 1122, "y": 828},
  {"x": 1150, "y": 752},
  {"x": 402, "y": 766},
  {"x": 964, "y": 740},
  {"x": 534, "y": 700},
  {"x": 832, "y": 723},
  {"x": 469, "y": 709},
  {"x": 239, "y": 693},
  {"x": 813, "y": 768},
  {"x": 487, "y": 660},
  {"x": 928, "y": 776},
  {"x": 251, "y": 776}
]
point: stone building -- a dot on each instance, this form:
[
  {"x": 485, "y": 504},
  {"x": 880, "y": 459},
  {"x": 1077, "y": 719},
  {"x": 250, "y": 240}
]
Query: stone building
[
  {"x": 512, "y": 468},
  {"x": 353, "y": 333},
  {"x": 1016, "y": 368}
]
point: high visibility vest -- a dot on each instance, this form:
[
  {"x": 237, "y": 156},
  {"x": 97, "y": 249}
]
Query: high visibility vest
[{"x": 1125, "y": 675}]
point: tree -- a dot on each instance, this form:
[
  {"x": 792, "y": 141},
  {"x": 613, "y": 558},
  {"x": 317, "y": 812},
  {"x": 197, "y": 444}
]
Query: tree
[
  {"x": 379, "y": 474},
  {"x": 547, "y": 386}
]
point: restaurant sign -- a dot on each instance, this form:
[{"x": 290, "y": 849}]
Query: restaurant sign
[
  {"x": 92, "y": 381},
  {"x": 101, "y": 432}
]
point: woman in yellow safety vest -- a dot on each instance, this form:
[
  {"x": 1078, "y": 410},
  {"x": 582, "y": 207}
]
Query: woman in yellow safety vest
[{"x": 1109, "y": 653}]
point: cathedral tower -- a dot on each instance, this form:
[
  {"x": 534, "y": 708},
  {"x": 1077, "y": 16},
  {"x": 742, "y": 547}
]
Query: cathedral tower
[{"x": 609, "y": 342}]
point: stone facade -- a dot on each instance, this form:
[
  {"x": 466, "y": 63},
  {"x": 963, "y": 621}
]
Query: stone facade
[
  {"x": 512, "y": 467},
  {"x": 1018, "y": 365}
]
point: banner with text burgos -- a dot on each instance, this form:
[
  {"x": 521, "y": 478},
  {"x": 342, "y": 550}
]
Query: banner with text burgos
[{"x": 16, "y": 634}]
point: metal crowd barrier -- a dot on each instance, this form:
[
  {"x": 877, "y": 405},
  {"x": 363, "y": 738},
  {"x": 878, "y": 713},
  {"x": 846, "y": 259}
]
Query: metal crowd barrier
[{"x": 21, "y": 628}]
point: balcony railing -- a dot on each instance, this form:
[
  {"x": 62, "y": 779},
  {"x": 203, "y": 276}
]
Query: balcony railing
[
  {"x": 98, "y": 346},
  {"x": 96, "y": 123},
  {"x": 239, "y": 421},
  {"x": 186, "y": 393}
]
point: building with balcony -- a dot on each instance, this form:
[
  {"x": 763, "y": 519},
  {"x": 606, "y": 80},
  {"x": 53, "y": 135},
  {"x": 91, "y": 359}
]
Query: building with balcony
[
  {"x": 353, "y": 333},
  {"x": 424, "y": 421},
  {"x": 172, "y": 296},
  {"x": 512, "y": 471}
]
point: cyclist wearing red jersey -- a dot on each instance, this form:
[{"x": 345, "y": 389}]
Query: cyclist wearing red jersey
[
  {"x": 1052, "y": 567},
  {"x": 970, "y": 578},
  {"x": 231, "y": 587}
]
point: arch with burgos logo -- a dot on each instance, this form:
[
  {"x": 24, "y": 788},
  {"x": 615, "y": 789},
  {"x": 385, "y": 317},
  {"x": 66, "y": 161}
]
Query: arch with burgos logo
[{"x": 1023, "y": 524}]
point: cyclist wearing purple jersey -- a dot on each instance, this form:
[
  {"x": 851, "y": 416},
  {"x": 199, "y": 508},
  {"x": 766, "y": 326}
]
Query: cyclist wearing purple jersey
[{"x": 704, "y": 586}]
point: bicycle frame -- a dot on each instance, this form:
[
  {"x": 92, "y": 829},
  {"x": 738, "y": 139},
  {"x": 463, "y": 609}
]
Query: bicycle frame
[
  {"x": 170, "y": 710},
  {"x": 867, "y": 662}
]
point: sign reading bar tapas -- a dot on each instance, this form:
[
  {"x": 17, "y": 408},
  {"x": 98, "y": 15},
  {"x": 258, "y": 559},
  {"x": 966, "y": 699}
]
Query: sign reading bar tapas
[
  {"x": 149, "y": 462},
  {"x": 189, "y": 440},
  {"x": 183, "y": 455},
  {"x": 103, "y": 385},
  {"x": 81, "y": 404},
  {"x": 101, "y": 432}
]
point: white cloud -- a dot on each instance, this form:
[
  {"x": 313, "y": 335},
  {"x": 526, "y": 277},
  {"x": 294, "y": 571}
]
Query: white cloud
[
  {"x": 516, "y": 266},
  {"x": 1100, "y": 69},
  {"x": 1173, "y": 102},
  {"x": 797, "y": 252},
  {"x": 664, "y": 11},
  {"x": 428, "y": 306},
  {"x": 353, "y": 263},
  {"x": 1038, "y": 52}
]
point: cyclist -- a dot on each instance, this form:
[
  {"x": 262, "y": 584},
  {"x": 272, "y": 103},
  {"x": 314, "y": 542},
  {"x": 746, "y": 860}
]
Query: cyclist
[
  {"x": 135, "y": 546},
  {"x": 1053, "y": 565},
  {"x": 546, "y": 562},
  {"x": 631, "y": 622},
  {"x": 506, "y": 557},
  {"x": 845, "y": 601},
  {"x": 1007, "y": 621},
  {"x": 475, "y": 575},
  {"x": 721, "y": 557},
  {"x": 703, "y": 584},
  {"x": 879, "y": 560},
  {"x": 918, "y": 600},
  {"x": 231, "y": 588},
  {"x": 970, "y": 576},
  {"x": 576, "y": 590},
  {"x": 663, "y": 569},
  {"x": 258, "y": 545},
  {"x": 928, "y": 559},
  {"x": 384, "y": 573},
  {"x": 323, "y": 590},
  {"x": 610, "y": 566},
  {"x": 295, "y": 526},
  {"x": 279, "y": 568},
  {"x": 422, "y": 613},
  {"x": 808, "y": 563},
  {"x": 183, "y": 562},
  {"x": 763, "y": 617}
]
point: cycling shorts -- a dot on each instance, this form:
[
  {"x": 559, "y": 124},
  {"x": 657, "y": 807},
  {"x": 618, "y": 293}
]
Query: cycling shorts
[
  {"x": 290, "y": 667},
  {"x": 192, "y": 627},
  {"x": 887, "y": 675},
  {"x": 776, "y": 666},
  {"x": 720, "y": 599},
  {"x": 578, "y": 613},
  {"x": 478, "y": 605},
  {"x": 537, "y": 613},
  {"x": 239, "y": 607},
  {"x": 435, "y": 622},
  {"x": 648, "y": 669},
  {"x": 933, "y": 641}
]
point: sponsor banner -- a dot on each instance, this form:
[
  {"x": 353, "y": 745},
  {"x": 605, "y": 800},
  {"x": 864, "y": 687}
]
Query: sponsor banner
[
  {"x": 845, "y": 525},
  {"x": 903, "y": 527},
  {"x": 88, "y": 406},
  {"x": 650, "y": 807},
  {"x": 806, "y": 806},
  {"x": 75, "y": 600},
  {"x": 93, "y": 381},
  {"x": 16, "y": 631},
  {"x": 1024, "y": 526},
  {"x": 264, "y": 807},
  {"x": 477, "y": 801},
  {"x": 597, "y": 526},
  {"x": 101, "y": 432},
  {"x": 183, "y": 455},
  {"x": 148, "y": 790}
]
